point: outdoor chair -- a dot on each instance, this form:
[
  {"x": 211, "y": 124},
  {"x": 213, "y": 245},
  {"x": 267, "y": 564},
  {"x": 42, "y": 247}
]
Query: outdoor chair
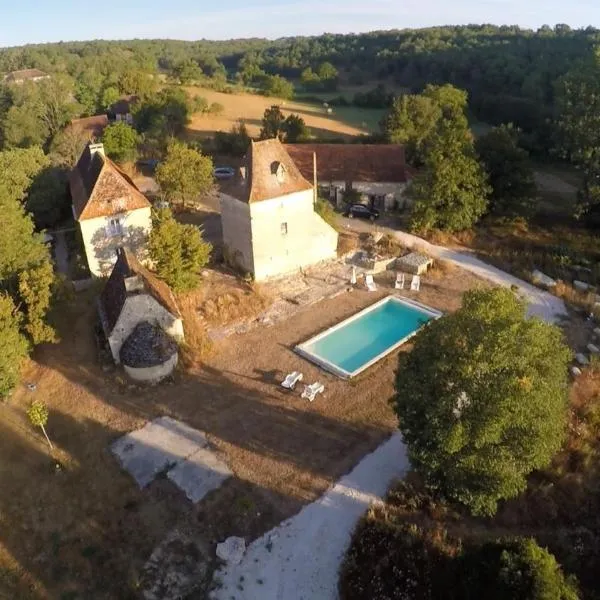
[
  {"x": 370, "y": 283},
  {"x": 311, "y": 391},
  {"x": 415, "y": 284},
  {"x": 291, "y": 380},
  {"x": 399, "y": 285}
]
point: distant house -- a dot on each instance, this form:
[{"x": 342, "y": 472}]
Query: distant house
[
  {"x": 121, "y": 109},
  {"x": 269, "y": 223},
  {"x": 25, "y": 75},
  {"x": 93, "y": 127},
  {"x": 378, "y": 171},
  {"x": 109, "y": 208},
  {"x": 133, "y": 296}
]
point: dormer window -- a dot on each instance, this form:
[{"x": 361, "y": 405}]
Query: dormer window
[{"x": 278, "y": 171}]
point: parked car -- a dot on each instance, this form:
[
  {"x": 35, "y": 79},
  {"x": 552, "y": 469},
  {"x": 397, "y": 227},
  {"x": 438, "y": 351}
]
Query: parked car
[
  {"x": 362, "y": 211},
  {"x": 224, "y": 173}
]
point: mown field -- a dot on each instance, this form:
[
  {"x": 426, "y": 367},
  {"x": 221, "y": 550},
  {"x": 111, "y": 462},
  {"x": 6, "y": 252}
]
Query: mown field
[{"x": 249, "y": 108}]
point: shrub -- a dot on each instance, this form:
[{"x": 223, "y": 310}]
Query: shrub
[{"x": 324, "y": 209}]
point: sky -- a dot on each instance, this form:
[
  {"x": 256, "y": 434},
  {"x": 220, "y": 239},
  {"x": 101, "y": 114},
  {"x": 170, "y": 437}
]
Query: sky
[{"x": 34, "y": 21}]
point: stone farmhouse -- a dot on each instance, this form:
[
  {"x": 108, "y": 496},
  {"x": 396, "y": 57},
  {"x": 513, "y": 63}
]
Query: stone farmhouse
[
  {"x": 377, "y": 171},
  {"x": 109, "y": 208},
  {"x": 270, "y": 227},
  {"x": 132, "y": 296},
  {"x": 25, "y": 75}
]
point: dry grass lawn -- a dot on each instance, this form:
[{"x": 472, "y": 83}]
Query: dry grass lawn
[
  {"x": 83, "y": 529},
  {"x": 249, "y": 108}
]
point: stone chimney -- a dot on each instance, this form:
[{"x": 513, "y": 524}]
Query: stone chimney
[{"x": 96, "y": 148}]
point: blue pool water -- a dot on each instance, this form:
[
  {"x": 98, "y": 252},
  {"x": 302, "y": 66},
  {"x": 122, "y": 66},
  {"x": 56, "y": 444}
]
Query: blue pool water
[{"x": 353, "y": 344}]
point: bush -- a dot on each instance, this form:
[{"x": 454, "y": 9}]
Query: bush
[{"x": 324, "y": 209}]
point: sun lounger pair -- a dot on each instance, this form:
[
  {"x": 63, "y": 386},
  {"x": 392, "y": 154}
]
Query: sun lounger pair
[
  {"x": 415, "y": 284},
  {"x": 310, "y": 391}
]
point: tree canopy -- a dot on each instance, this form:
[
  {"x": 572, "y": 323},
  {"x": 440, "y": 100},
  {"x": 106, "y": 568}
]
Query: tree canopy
[
  {"x": 178, "y": 251},
  {"x": 482, "y": 399},
  {"x": 185, "y": 174},
  {"x": 509, "y": 170},
  {"x": 120, "y": 142}
]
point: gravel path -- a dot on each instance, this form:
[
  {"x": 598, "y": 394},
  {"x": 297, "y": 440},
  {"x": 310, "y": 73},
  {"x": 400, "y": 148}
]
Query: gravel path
[
  {"x": 541, "y": 303},
  {"x": 299, "y": 559}
]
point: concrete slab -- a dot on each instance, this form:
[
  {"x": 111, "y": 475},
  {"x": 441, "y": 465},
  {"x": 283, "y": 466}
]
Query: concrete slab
[
  {"x": 146, "y": 452},
  {"x": 199, "y": 474}
]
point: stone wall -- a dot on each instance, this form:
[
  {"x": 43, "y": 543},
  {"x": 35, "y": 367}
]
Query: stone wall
[{"x": 152, "y": 374}]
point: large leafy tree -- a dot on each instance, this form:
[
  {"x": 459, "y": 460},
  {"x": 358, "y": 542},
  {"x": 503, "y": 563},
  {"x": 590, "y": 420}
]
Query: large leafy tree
[
  {"x": 410, "y": 121},
  {"x": 177, "y": 251},
  {"x": 579, "y": 125},
  {"x": 185, "y": 174},
  {"x": 13, "y": 345},
  {"x": 482, "y": 399},
  {"x": 509, "y": 170},
  {"x": 513, "y": 568},
  {"x": 450, "y": 192},
  {"x": 273, "y": 123},
  {"x": 120, "y": 142}
]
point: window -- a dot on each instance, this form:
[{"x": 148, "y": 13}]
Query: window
[
  {"x": 115, "y": 226},
  {"x": 284, "y": 229}
]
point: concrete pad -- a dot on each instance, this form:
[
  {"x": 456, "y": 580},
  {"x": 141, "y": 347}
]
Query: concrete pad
[
  {"x": 148, "y": 451},
  {"x": 199, "y": 474}
]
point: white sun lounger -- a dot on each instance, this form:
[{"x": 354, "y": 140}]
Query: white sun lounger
[
  {"x": 311, "y": 391},
  {"x": 415, "y": 284},
  {"x": 370, "y": 283},
  {"x": 291, "y": 380},
  {"x": 399, "y": 285}
]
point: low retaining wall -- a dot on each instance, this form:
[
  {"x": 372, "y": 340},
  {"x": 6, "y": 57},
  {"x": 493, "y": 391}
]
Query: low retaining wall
[{"x": 152, "y": 374}]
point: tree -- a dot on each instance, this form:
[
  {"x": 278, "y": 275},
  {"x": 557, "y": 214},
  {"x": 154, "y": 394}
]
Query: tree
[
  {"x": 450, "y": 193},
  {"x": 513, "y": 568},
  {"x": 35, "y": 289},
  {"x": 13, "y": 345},
  {"x": 579, "y": 126},
  {"x": 19, "y": 167},
  {"x": 178, "y": 251},
  {"x": 109, "y": 96},
  {"x": 67, "y": 146},
  {"x": 165, "y": 114},
  {"x": 509, "y": 171},
  {"x": 410, "y": 121},
  {"x": 327, "y": 71},
  {"x": 48, "y": 200},
  {"x": 273, "y": 124},
  {"x": 120, "y": 142},
  {"x": 136, "y": 82},
  {"x": 38, "y": 416},
  {"x": 233, "y": 143},
  {"x": 215, "y": 108},
  {"x": 187, "y": 72},
  {"x": 275, "y": 85},
  {"x": 295, "y": 129},
  {"x": 309, "y": 78},
  {"x": 185, "y": 174},
  {"x": 482, "y": 399}
]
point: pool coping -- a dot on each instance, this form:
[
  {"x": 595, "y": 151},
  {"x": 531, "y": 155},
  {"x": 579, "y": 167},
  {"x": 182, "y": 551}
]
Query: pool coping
[{"x": 342, "y": 373}]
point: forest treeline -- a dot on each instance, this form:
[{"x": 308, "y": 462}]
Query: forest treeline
[{"x": 509, "y": 73}]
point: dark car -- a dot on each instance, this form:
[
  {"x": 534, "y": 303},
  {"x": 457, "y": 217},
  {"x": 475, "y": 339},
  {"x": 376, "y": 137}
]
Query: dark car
[
  {"x": 224, "y": 173},
  {"x": 363, "y": 212}
]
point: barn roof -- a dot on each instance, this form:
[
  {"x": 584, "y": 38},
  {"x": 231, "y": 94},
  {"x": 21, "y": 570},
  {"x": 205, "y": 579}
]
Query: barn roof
[{"x": 369, "y": 163}]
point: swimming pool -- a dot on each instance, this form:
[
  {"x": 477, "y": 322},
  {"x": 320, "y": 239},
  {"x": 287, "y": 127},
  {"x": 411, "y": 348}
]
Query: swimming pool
[{"x": 348, "y": 348}]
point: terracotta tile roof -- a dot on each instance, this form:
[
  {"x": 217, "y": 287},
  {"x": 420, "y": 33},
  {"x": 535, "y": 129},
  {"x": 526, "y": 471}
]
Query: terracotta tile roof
[
  {"x": 24, "y": 75},
  {"x": 114, "y": 294},
  {"x": 93, "y": 126},
  {"x": 100, "y": 189},
  {"x": 351, "y": 162},
  {"x": 270, "y": 173}
]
